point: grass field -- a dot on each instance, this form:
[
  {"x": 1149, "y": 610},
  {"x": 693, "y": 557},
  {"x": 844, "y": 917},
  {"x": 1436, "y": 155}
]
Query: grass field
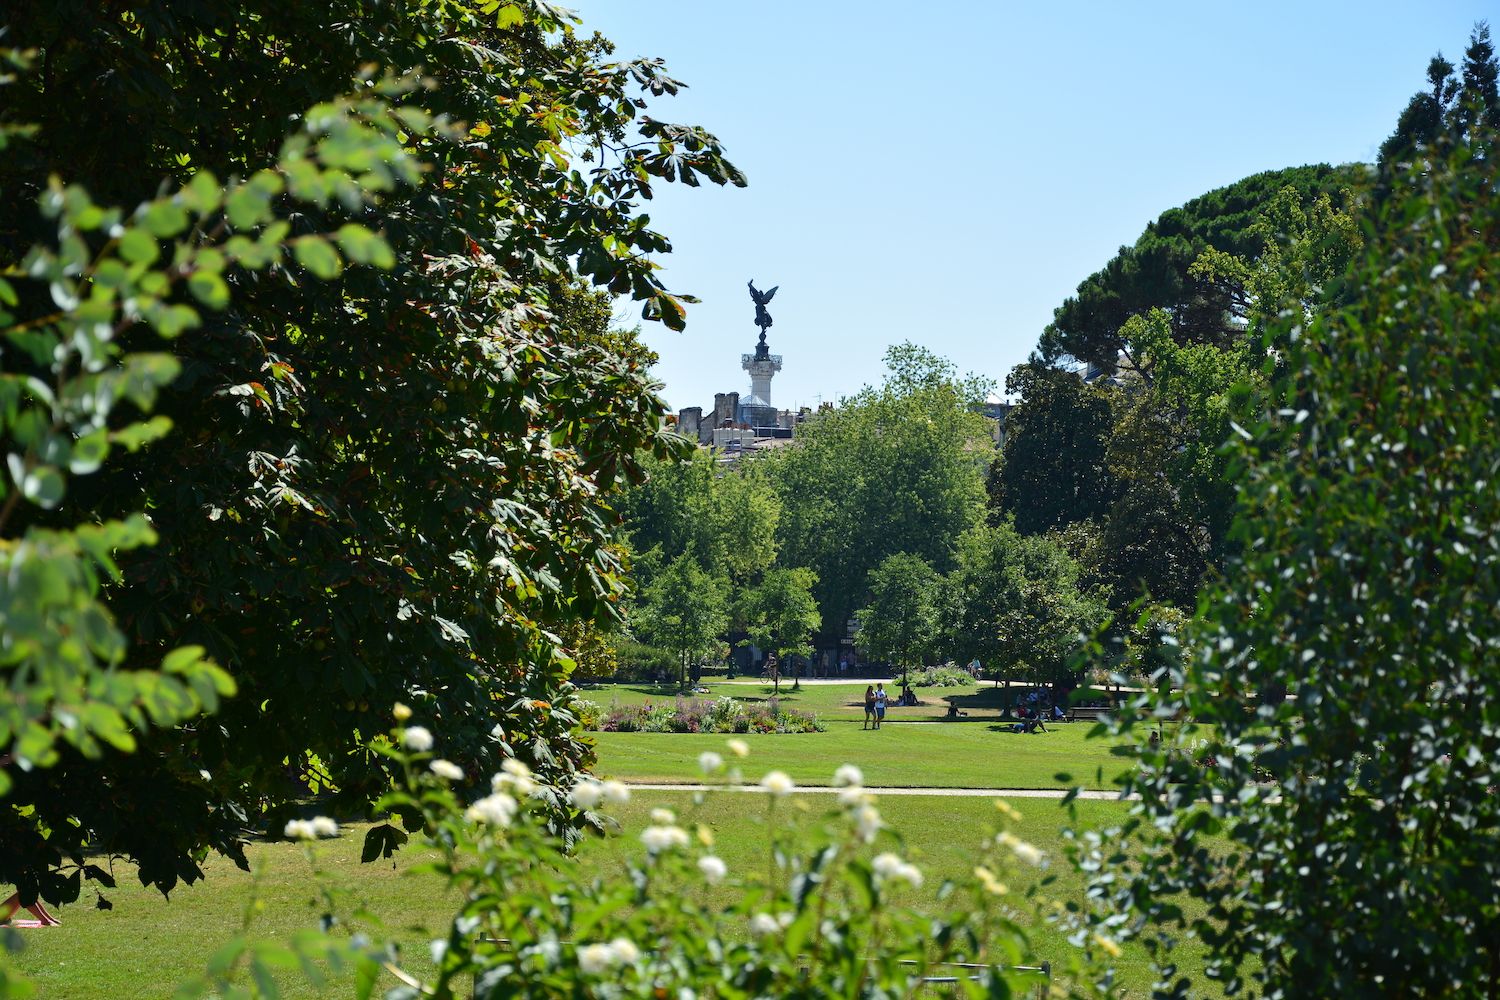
[
  {"x": 145, "y": 944},
  {"x": 828, "y": 701},
  {"x": 914, "y": 748}
]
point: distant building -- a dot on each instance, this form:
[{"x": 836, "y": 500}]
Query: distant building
[{"x": 739, "y": 424}]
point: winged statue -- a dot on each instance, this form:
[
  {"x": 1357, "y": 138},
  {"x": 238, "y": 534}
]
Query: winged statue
[{"x": 761, "y": 299}]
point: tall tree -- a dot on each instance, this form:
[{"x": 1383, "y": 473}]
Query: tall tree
[
  {"x": 1017, "y": 605},
  {"x": 900, "y": 623},
  {"x": 1361, "y": 830},
  {"x": 390, "y": 485},
  {"x": 781, "y": 615},
  {"x": 898, "y": 468},
  {"x": 1156, "y": 271},
  {"x": 1052, "y": 472},
  {"x": 686, "y": 611},
  {"x": 1450, "y": 103}
]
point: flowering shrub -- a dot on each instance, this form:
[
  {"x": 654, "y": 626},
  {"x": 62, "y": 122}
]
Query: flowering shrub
[
  {"x": 941, "y": 677},
  {"x": 698, "y": 715},
  {"x": 831, "y": 913},
  {"x": 588, "y": 713}
]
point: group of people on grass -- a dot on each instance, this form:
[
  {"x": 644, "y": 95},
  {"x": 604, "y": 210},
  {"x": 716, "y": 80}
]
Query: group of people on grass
[
  {"x": 876, "y": 700},
  {"x": 1033, "y": 710}
]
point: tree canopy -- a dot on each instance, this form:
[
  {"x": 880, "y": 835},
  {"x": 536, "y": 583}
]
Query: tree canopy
[{"x": 386, "y": 484}]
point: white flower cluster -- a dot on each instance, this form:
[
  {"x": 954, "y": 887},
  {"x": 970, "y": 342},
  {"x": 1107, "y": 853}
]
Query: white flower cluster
[
  {"x": 891, "y": 867},
  {"x": 777, "y": 784},
  {"x": 447, "y": 770},
  {"x": 861, "y": 804},
  {"x": 497, "y": 809},
  {"x": 594, "y": 959},
  {"x": 763, "y": 924},
  {"x": 663, "y": 816},
  {"x": 310, "y": 829},
  {"x": 514, "y": 778},
  {"x": 738, "y": 747},
  {"x": 709, "y": 762},
  {"x": 848, "y": 776},
  {"x": 588, "y": 793},
  {"x": 663, "y": 838},
  {"x": 418, "y": 738},
  {"x": 713, "y": 869},
  {"x": 1029, "y": 853}
]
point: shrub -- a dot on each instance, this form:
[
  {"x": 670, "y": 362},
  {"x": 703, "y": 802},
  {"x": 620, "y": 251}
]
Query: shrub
[
  {"x": 944, "y": 676},
  {"x": 588, "y": 713},
  {"x": 1359, "y": 612}
]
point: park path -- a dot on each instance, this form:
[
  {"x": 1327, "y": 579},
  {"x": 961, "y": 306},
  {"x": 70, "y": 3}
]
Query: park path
[{"x": 1000, "y": 793}]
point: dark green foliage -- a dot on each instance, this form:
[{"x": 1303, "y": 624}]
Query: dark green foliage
[
  {"x": 1052, "y": 471},
  {"x": 389, "y": 485},
  {"x": 1365, "y": 592},
  {"x": 1449, "y": 103},
  {"x": 1155, "y": 271}
]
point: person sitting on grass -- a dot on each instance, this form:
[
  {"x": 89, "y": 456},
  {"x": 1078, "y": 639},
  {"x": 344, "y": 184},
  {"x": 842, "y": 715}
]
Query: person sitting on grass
[{"x": 10, "y": 906}]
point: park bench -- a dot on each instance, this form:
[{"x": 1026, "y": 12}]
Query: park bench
[{"x": 1091, "y": 714}]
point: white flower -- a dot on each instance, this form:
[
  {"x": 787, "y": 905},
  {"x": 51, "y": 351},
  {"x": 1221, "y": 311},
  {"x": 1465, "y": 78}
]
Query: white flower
[
  {"x": 738, "y": 747},
  {"x": 446, "y": 769},
  {"x": 514, "y": 777},
  {"x": 497, "y": 810},
  {"x": 662, "y": 838},
  {"x": 418, "y": 738},
  {"x": 624, "y": 951},
  {"x": 762, "y": 924},
  {"x": 709, "y": 762},
  {"x": 890, "y": 868},
  {"x": 438, "y": 948},
  {"x": 587, "y": 793},
  {"x": 615, "y": 793},
  {"x": 854, "y": 795},
  {"x": 713, "y": 869},
  {"x": 1029, "y": 853},
  {"x": 867, "y": 823},
  {"x": 595, "y": 958},
  {"x": 498, "y": 732},
  {"x": 665, "y": 817},
  {"x": 992, "y": 885},
  {"x": 300, "y": 829},
  {"x": 848, "y": 776},
  {"x": 777, "y": 784},
  {"x": 401, "y": 712},
  {"x": 324, "y": 826}
]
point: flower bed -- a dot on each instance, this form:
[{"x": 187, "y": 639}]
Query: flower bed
[{"x": 700, "y": 715}]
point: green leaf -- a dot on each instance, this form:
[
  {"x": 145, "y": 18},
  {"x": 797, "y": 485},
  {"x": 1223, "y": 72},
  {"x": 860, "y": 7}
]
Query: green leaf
[
  {"x": 137, "y": 246},
  {"x": 209, "y": 289},
  {"x": 314, "y": 253},
  {"x": 43, "y": 486}
]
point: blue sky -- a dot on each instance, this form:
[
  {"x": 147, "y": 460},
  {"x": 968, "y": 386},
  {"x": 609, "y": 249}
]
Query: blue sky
[{"x": 947, "y": 173}]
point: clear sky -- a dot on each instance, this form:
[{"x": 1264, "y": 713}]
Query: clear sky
[{"x": 947, "y": 173}]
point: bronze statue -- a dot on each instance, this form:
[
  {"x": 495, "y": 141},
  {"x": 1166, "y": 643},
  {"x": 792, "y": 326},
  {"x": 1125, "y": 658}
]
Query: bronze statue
[{"x": 762, "y": 318}]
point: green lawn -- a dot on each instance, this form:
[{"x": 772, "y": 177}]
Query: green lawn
[
  {"x": 969, "y": 754},
  {"x": 145, "y": 944},
  {"x": 828, "y": 701}
]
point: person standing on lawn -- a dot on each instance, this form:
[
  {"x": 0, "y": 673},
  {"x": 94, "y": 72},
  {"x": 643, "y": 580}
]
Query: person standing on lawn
[
  {"x": 880, "y": 697},
  {"x": 869, "y": 706}
]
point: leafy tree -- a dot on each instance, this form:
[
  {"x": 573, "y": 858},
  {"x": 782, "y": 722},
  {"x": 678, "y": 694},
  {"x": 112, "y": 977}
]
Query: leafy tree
[
  {"x": 73, "y": 693},
  {"x": 684, "y": 610},
  {"x": 1357, "y": 801},
  {"x": 391, "y": 485},
  {"x": 1051, "y": 472},
  {"x": 1017, "y": 604},
  {"x": 1451, "y": 103},
  {"x": 900, "y": 624},
  {"x": 782, "y": 615},
  {"x": 898, "y": 468},
  {"x": 1157, "y": 271}
]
